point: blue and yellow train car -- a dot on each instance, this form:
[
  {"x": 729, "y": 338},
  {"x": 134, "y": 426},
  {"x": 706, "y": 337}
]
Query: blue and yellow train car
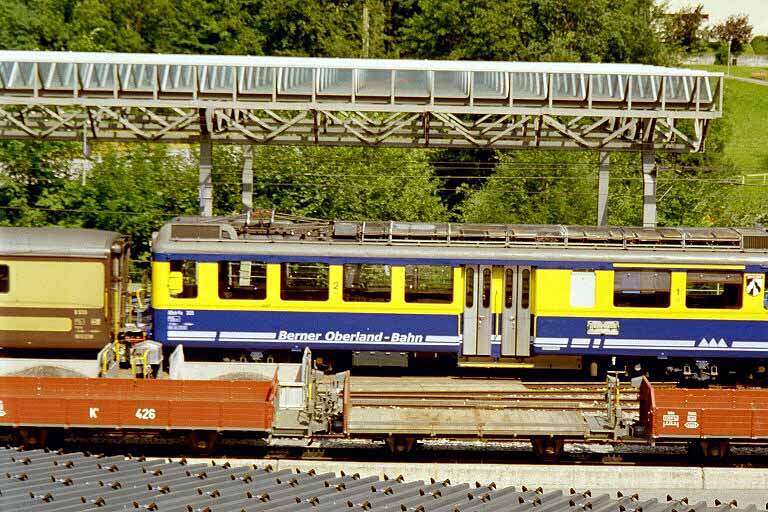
[{"x": 488, "y": 294}]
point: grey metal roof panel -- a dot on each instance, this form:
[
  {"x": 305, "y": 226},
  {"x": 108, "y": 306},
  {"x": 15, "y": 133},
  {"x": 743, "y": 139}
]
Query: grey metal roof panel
[
  {"x": 480, "y": 242},
  {"x": 56, "y": 242},
  {"x": 353, "y": 251},
  {"x": 138, "y": 484}
]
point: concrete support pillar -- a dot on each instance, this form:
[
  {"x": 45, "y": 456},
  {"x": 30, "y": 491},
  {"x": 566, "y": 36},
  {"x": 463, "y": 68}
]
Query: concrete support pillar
[
  {"x": 602, "y": 188},
  {"x": 649, "y": 188},
  {"x": 247, "y": 178},
  {"x": 205, "y": 179}
]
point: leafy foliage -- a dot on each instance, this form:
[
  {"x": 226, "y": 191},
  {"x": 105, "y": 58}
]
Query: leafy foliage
[
  {"x": 361, "y": 183},
  {"x": 735, "y": 28},
  {"x": 550, "y": 30},
  {"x": 760, "y": 45},
  {"x": 130, "y": 190},
  {"x": 685, "y": 28}
]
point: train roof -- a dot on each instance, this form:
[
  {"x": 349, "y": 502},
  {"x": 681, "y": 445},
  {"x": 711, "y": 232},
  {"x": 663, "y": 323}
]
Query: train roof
[
  {"x": 57, "y": 242},
  {"x": 270, "y": 234}
]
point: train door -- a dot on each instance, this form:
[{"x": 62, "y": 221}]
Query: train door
[
  {"x": 480, "y": 326},
  {"x": 478, "y": 320},
  {"x": 516, "y": 312}
]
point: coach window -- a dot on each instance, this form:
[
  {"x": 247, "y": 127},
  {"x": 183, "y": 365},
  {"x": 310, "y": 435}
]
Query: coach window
[
  {"x": 713, "y": 290},
  {"x": 641, "y": 288},
  {"x": 430, "y": 284},
  {"x": 486, "y": 288},
  {"x": 304, "y": 281},
  {"x": 765, "y": 293},
  {"x": 242, "y": 280},
  {"x": 367, "y": 282},
  {"x": 188, "y": 271},
  {"x": 525, "y": 289},
  {"x": 5, "y": 279},
  {"x": 469, "y": 299}
]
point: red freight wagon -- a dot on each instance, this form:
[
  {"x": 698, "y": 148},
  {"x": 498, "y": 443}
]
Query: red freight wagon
[
  {"x": 726, "y": 413},
  {"x": 135, "y": 403}
]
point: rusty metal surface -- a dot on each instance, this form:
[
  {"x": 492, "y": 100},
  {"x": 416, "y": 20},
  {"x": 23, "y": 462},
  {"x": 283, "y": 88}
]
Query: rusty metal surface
[
  {"x": 467, "y": 421},
  {"x": 57, "y": 482},
  {"x": 728, "y": 413},
  {"x": 474, "y": 407},
  {"x": 134, "y": 403}
]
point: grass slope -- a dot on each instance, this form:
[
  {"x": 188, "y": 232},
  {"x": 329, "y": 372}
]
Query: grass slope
[{"x": 745, "y": 108}]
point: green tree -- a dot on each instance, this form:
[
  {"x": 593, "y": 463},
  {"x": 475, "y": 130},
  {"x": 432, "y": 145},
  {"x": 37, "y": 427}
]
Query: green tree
[
  {"x": 352, "y": 183},
  {"x": 736, "y": 29},
  {"x": 34, "y": 24},
  {"x": 132, "y": 190},
  {"x": 536, "y": 187},
  {"x": 28, "y": 172},
  {"x": 527, "y": 30},
  {"x": 685, "y": 30},
  {"x": 760, "y": 45}
]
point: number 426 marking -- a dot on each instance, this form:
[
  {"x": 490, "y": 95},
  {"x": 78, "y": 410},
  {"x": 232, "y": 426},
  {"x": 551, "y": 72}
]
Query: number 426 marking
[{"x": 145, "y": 414}]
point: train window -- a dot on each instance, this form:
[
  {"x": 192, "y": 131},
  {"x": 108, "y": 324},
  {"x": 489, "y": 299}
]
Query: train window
[
  {"x": 509, "y": 288},
  {"x": 525, "y": 289},
  {"x": 487, "y": 288},
  {"x": 242, "y": 280},
  {"x": 5, "y": 279},
  {"x": 713, "y": 290},
  {"x": 641, "y": 288},
  {"x": 470, "y": 287},
  {"x": 367, "y": 283},
  {"x": 429, "y": 284},
  {"x": 304, "y": 281},
  {"x": 582, "y": 289},
  {"x": 188, "y": 269},
  {"x": 765, "y": 293}
]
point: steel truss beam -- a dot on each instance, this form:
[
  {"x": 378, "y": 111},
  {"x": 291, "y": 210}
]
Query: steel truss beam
[
  {"x": 364, "y": 102},
  {"x": 568, "y": 130}
]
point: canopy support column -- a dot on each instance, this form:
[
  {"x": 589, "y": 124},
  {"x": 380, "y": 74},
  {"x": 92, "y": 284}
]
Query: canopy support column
[
  {"x": 649, "y": 188},
  {"x": 205, "y": 179},
  {"x": 602, "y": 188},
  {"x": 247, "y": 178}
]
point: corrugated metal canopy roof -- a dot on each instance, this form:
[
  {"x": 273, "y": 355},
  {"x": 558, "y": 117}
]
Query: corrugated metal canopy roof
[
  {"x": 317, "y": 62},
  {"x": 57, "y": 482}
]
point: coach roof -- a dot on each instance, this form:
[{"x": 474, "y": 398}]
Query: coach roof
[
  {"x": 383, "y": 241},
  {"x": 67, "y": 243}
]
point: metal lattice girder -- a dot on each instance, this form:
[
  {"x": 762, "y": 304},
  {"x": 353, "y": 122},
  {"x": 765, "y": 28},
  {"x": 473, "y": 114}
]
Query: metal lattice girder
[{"x": 282, "y": 100}]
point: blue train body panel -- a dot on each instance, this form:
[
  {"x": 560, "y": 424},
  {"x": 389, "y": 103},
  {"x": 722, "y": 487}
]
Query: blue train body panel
[
  {"x": 704, "y": 339},
  {"x": 262, "y": 330}
]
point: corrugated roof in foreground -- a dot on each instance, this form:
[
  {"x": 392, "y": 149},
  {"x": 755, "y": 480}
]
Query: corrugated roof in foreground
[{"x": 44, "y": 481}]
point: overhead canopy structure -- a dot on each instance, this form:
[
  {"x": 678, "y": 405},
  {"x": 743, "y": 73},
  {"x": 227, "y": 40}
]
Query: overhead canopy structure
[{"x": 403, "y": 103}]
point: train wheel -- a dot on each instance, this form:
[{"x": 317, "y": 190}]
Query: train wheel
[
  {"x": 710, "y": 449},
  {"x": 203, "y": 441},
  {"x": 548, "y": 449},
  {"x": 34, "y": 437},
  {"x": 400, "y": 444}
]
